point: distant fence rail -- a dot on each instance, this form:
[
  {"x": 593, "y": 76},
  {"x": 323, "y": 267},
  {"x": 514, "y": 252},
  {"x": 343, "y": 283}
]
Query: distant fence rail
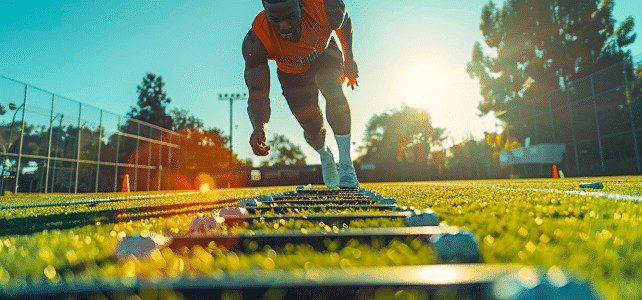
[{"x": 49, "y": 143}]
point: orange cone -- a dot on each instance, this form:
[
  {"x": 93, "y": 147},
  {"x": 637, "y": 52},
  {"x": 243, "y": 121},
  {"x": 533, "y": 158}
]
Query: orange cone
[
  {"x": 125, "y": 187},
  {"x": 555, "y": 174}
]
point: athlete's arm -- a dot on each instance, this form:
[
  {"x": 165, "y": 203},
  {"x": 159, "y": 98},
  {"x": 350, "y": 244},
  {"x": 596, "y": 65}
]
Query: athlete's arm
[
  {"x": 340, "y": 21},
  {"x": 257, "y": 79}
]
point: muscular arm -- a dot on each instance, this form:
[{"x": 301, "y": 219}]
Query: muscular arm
[
  {"x": 257, "y": 79},
  {"x": 340, "y": 22}
]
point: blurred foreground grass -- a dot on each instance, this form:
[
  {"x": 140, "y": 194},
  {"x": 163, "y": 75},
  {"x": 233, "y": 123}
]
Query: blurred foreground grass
[
  {"x": 535, "y": 222},
  {"x": 532, "y": 222}
]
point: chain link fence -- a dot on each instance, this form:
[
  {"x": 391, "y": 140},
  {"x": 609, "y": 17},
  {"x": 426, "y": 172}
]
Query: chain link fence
[
  {"x": 598, "y": 117},
  {"x": 50, "y": 143}
]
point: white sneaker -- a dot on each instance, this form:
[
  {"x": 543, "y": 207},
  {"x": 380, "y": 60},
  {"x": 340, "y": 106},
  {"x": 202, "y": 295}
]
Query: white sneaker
[
  {"x": 329, "y": 170},
  {"x": 348, "y": 177}
]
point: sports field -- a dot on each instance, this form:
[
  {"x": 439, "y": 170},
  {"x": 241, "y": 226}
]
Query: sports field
[{"x": 594, "y": 233}]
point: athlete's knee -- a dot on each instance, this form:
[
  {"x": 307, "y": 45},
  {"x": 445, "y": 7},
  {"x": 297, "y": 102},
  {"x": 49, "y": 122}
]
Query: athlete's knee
[
  {"x": 332, "y": 89},
  {"x": 311, "y": 120},
  {"x": 336, "y": 102}
]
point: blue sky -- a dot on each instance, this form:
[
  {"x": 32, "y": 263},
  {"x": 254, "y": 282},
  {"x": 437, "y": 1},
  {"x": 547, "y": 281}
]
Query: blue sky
[{"x": 97, "y": 52}]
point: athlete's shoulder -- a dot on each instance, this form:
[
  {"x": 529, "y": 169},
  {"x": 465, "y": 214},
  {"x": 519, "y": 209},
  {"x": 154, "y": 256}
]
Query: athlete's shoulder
[
  {"x": 335, "y": 11},
  {"x": 254, "y": 51}
]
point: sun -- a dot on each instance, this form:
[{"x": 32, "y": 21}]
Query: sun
[{"x": 423, "y": 84}]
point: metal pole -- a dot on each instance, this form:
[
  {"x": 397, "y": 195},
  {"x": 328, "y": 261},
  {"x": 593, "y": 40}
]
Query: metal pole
[
  {"x": 78, "y": 147},
  {"x": 22, "y": 133},
  {"x": 117, "y": 156},
  {"x": 51, "y": 117},
  {"x": 570, "y": 114},
  {"x": 628, "y": 102},
  {"x": 100, "y": 142},
  {"x": 9, "y": 144},
  {"x": 160, "y": 160},
  {"x": 231, "y": 135},
  {"x": 137, "y": 154},
  {"x": 160, "y": 170},
  {"x": 550, "y": 115},
  {"x": 149, "y": 159},
  {"x": 4, "y": 163},
  {"x": 597, "y": 126},
  {"x": 551, "y": 120},
  {"x": 231, "y": 98},
  {"x": 71, "y": 168},
  {"x": 53, "y": 173}
]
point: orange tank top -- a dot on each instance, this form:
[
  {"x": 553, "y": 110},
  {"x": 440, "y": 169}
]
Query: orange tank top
[{"x": 296, "y": 57}]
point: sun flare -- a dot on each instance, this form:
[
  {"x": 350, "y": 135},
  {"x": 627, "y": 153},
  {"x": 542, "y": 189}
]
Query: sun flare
[{"x": 423, "y": 85}]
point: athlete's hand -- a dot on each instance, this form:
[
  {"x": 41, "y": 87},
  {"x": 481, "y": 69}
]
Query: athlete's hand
[
  {"x": 351, "y": 73},
  {"x": 257, "y": 141}
]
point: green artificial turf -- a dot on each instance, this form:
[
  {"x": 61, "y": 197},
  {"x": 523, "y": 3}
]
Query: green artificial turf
[
  {"x": 532, "y": 222},
  {"x": 597, "y": 237}
]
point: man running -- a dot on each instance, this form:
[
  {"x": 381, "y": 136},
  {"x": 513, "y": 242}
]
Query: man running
[{"x": 297, "y": 35}]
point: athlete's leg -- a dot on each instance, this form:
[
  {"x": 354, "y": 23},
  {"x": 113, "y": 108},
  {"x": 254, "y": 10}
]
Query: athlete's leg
[
  {"x": 337, "y": 107},
  {"x": 327, "y": 79},
  {"x": 311, "y": 120},
  {"x": 303, "y": 99}
]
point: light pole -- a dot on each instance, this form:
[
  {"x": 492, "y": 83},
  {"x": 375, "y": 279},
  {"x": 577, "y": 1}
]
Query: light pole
[
  {"x": 12, "y": 106},
  {"x": 231, "y": 98},
  {"x": 13, "y": 120}
]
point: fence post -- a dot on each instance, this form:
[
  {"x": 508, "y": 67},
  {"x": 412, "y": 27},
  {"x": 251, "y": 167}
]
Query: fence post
[
  {"x": 78, "y": 146},
  {"x": 51, "y": 117},
  {"x": 160, "y": 159},
  {"x": 22, "y": 134},
  {"x": 149, "y": 159},
  {"x": 55, "y": 163},
  {"x": 552, "y": 121},
  {"x": 117, "y": 156},
  {"x": 570, "y": 115},
  {"x": 597, "y": 125},
  {"x": 100, "y": 142},
  {"x": 628, "y": 98},
  {"x": 550, "y": 115},
  {"x": 137, "y": 154}
]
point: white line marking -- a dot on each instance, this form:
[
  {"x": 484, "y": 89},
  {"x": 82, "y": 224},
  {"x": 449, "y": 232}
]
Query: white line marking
[{"x": 581, "y": 193}]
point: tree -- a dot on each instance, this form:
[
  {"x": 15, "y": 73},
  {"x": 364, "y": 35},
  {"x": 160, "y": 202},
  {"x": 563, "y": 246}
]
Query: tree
[
  {"x": 284, "y": 152},
  {"x": 205, "y": 150},
  {"x": 183, "y": 119},
  {"x": 210, "y": 141},
  {"x": 396, "y": 133},
  {"x": 400, "y": 138},
  {"x": 540, "y": 44},
  {"x": 501, "y": 142},
  {"x": 152, "y": 102},
  {"x": 471, "y": 159},
  {"x": 151, "y": 108}
]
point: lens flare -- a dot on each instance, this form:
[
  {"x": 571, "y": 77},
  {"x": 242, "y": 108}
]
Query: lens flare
[{"x": 204, "y": 181}]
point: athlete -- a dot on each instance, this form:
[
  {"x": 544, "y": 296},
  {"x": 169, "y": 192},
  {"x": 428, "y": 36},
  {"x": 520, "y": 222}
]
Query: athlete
[{"x": 297, "y": 35}]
